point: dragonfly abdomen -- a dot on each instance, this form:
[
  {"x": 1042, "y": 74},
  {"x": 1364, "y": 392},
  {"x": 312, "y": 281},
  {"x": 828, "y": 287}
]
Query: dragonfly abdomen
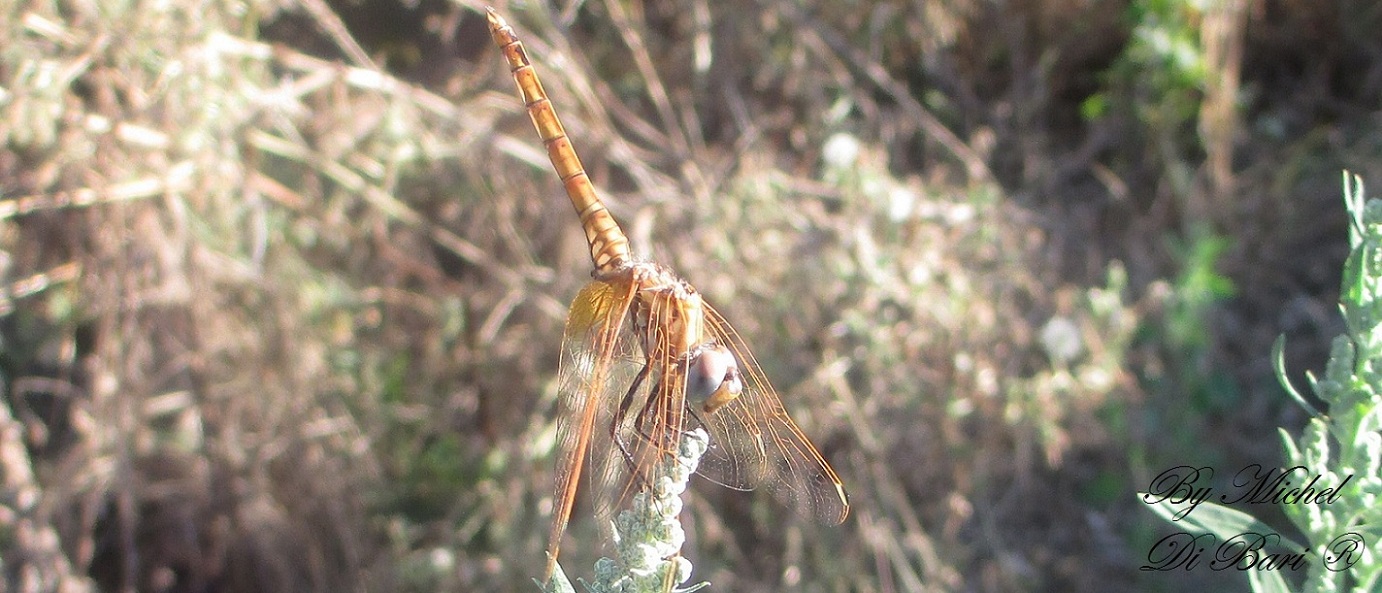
[{"x": 609, "y": 247}]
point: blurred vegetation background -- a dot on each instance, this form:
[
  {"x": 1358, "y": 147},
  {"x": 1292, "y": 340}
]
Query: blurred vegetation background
[{"x": 284, "y": 279}]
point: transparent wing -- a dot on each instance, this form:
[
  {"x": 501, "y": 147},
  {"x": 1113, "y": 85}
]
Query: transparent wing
[
  {"x": 753, "y": 442},
  {"x": 645, "y": 423},
  {"x": 597, "y": 364}
]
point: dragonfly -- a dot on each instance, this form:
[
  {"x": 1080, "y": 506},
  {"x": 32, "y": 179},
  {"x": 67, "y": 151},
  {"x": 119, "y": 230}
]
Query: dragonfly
[{"x": 645, "y": 359}]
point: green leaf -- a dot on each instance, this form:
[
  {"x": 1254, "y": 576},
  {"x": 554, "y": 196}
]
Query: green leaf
[
  {"x": 557, "y": 584},
  {"x": 1354, "y": 202},
  {"x": 1279, "y": 364},
  {"x": 1225, "y": 523},
  {"x": 1267, "y": 581},
  {"x": 1293, "y": 456}
]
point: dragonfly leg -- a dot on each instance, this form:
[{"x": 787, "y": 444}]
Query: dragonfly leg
[
  {"x": 623, "y": 413},
  {"x": 643, "y": 424}
]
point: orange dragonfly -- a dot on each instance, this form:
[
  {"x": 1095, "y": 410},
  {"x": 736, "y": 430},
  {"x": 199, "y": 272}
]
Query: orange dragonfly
[{"x": 645, "y": 360}]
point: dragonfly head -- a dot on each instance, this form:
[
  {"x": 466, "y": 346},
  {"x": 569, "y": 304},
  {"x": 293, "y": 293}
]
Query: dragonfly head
[{"x": 712, "y": 376}]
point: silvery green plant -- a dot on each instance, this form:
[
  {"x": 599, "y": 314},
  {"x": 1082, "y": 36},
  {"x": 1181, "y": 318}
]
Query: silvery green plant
[
  {"x": 1340, "y": 446},
  {"x": 648, "y": 535}
]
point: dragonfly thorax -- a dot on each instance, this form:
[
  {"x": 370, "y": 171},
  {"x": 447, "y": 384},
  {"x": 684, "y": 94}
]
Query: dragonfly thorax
[
  {"x": 667, "y": 312},
  {"x": 669, "y": 316}
]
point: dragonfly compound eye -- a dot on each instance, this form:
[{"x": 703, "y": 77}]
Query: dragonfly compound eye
[{"x": 712, "y": 377}]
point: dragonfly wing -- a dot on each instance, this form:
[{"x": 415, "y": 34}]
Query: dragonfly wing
[
  {"x": 595, "y": 361},
  {"x": 753, "y": 442},
  {"x": 645, "y": 427}
]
